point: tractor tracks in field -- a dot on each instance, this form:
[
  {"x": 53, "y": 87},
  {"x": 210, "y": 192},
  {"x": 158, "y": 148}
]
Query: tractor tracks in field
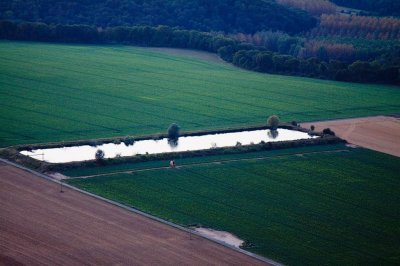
[{"x": 215, "y": 162}]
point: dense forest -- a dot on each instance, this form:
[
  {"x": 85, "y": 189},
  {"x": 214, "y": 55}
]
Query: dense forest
[
  {"x": 314, "y": 7},
  {"x": 380, "y": 7},
  {"x": 377, "y": 28},
  {"x": 246, "y": 16}
]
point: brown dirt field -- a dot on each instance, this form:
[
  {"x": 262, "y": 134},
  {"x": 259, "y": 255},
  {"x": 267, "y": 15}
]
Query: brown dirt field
[
  {"x": 380, "y": 133},
  {"x": 41, "y": 226}
]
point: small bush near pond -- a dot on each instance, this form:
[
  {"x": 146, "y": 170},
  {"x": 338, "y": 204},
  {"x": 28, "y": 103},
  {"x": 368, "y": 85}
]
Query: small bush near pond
[
  {"x": 328, "y": 131},
  {"x": 273, "y": 122},
  {"x": 99, "y": 155},
  {"x": 173, "y": 131},
  {"x": 128, "y": 141}
]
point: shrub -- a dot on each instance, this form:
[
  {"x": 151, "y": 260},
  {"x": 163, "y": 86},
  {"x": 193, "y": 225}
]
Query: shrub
[
  {"x": 99, "y": 155},
  {"x": 328, "y": 131},
  {"x": 128, "y": 141},
  {"x": 95, "y": 143},
  {"x": 117, "y": 141},
  {"x": 173, "y": 131},
  {"x": 273, "y": 122}
]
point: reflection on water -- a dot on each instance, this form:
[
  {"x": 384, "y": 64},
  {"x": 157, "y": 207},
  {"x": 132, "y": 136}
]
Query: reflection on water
[
  {"x": 173, "y": 143},
  {"x": 111, "y": 150},
  {"x": 273, "y": 134}
]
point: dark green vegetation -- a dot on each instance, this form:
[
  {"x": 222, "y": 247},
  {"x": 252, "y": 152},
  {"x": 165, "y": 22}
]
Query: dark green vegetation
[
  {"x": 336, "y": 208},
  {"x": 173, "y": 131},
  {"x": 380, "y": 7},
  {"x": 66, "y": 92},
  {"x": 221, "y": 15},
  {"x": 106, "y": 169},
  {"x": 273, "y": 121}
]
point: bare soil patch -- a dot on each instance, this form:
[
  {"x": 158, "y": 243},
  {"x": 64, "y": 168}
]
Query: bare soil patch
[
  {"x": 380, "y": 133},
  {"x": 223, "y": 236},
  {"x": 41, "y": 226},
  {"x": 58, "y": 176}
]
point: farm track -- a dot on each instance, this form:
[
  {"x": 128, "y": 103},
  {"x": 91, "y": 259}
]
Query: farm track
[
  {"x": 41, "y": 226},
  {"x": 210, "y": 163}
]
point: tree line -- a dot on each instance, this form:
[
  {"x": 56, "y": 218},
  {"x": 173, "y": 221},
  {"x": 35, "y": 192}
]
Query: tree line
[
  {"x": 314, "y": 7},
  {"x": 358, "y": 71},
  {"x": 203, "y": 15},
  {"x": 324, "y": 47},
  {"x": 379, "y": 7},
  {"x": 368, "y": 27},
  {"x": 248, "y": 56}
]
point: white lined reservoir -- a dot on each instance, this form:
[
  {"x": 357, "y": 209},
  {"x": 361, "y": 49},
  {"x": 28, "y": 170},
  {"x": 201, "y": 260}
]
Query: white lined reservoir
[{"x": 189, "y": 143}]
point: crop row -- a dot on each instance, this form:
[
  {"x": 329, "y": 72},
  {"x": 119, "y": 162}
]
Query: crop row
[
  {"x": 335, "y": 208},
  {"x": 82, "y": 92}
]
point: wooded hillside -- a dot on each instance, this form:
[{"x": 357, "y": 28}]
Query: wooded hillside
[
  {"x": 381, "y": 7},
  {"x": 246, "y": 16},
  {"x": 367, "y": 27},
  {"x": 314, "y": 7}
]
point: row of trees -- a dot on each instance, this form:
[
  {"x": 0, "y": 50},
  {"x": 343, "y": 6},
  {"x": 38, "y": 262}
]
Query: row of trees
[
  {"x": 380, "y": 7},
  {"x": 222, "y": 15},
  {"x": 326, "y": 51},
  {"x": 314, "y": 7},
  {"x": 367, "y": 27},
  {"x": 139, "y": 35},
  {"x": 275, "y": 41},
  {"x": 343, "y": 49},
  {"x": 243, "y": 55},
  {"x": 358, "y": 71}
]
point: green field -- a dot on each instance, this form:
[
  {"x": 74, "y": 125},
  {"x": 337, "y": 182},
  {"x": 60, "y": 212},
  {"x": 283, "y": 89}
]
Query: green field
[
  {"x": 105, "y": 169},
  {"x": 312, "y": 208},
  {"x": 53, "y": 92}
]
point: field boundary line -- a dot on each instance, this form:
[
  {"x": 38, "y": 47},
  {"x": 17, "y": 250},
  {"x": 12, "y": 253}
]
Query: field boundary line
[
  {"x": 392, "y": 115},
  {"x": 131, "y": 171},
  {"x": 139, "y": 212}
]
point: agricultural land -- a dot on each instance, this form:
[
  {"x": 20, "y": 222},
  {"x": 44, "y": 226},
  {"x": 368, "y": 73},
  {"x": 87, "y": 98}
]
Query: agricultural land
[
  {"x": 99, "y": 71},
  {"x": 308, "y": 206},
  {"x": 41, "y": 226},
  {"x": 379, "y": 133},
  {"x": 54, "y": 93}
]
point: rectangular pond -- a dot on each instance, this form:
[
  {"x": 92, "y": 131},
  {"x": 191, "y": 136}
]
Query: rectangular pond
[{"x": 151, "y": 146}]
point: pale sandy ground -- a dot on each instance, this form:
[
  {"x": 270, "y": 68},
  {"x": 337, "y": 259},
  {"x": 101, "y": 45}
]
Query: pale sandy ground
[
  {"x": 58, "y": 176},
  {"x": 223, "y": 236},
  {"x": 380, "y": 133}
]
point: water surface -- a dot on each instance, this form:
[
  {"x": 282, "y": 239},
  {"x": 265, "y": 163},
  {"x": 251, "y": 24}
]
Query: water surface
[{"x": 191, "y": 143}]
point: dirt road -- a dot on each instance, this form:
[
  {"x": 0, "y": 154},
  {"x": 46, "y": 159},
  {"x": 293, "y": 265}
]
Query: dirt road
[
  {"x": 380, "y": 133},
  {"x": 41, "y": 226}
]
